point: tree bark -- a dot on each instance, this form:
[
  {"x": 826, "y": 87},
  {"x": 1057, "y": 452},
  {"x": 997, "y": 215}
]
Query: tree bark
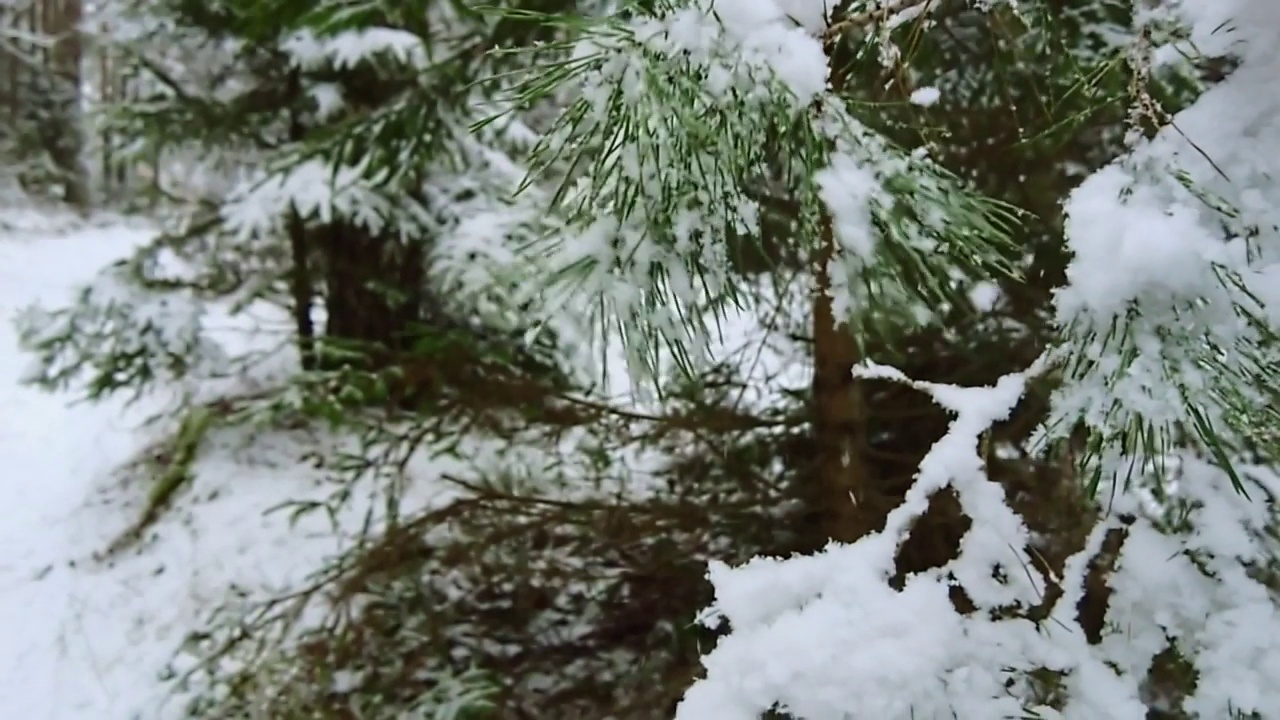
[
  {"x": 841, "y": 494},
  {"x": 374, "y": 291},
  {"x": 66, "y": 145},
  {"x": 302, "y": 290},
  {"x": 841, "y": 497}
]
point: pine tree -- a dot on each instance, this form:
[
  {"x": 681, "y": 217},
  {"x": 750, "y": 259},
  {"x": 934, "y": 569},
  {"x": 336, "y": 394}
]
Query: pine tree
[
  {"x": 675, "y": 167},
  {"x": 310, "y": 154},
  {"x": 632, "y": 158},
  {"x": 346, "y": 130},
  {"x": 683, "y": 105},
  {"x": 40, "y": 63}
]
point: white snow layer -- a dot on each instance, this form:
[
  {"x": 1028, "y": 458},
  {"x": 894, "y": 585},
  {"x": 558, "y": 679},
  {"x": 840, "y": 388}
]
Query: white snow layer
[{"x": 84, "y": 638}]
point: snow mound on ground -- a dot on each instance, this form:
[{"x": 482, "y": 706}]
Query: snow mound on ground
[
  {"x": 87, "y": 637},
  {"x": 95, "y": 637}
]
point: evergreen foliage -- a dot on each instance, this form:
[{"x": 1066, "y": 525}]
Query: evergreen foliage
[
  {"x": 42, "y": 141},
  {"x": 1037, "y": 437}
]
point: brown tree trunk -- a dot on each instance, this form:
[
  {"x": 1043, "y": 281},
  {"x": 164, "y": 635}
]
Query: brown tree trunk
[
  {"x": 841, "y": 493},
  {"x": 302, "y": 290},
  {"x": 840, "y": 498},
  {"x": 123, "y": 91},
  {"x": 374, "y": 292},
  {"x": 9, "y": 67},
  {"x": 301, "y": 279},
  {"x": 374, "y": 285},
  {"x": 63, "y": 19}
]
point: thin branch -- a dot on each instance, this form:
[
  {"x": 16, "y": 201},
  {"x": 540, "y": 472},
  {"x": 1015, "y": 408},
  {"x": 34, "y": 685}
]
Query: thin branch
[{"x": 878, "y": 13}]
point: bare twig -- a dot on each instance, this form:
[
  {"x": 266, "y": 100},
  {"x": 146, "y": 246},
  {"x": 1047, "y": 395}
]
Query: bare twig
[{"x": 877, "y": 13}]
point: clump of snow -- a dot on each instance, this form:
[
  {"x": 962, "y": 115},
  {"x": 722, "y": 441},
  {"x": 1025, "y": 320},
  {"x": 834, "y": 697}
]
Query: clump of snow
[
  {"x": 328, "y": 99},
  {"x": 985, "y": 296},
  {"x": 926, "y": 96},
  {"x": 848, "y": 188},
  {"x": 825, "y": 637},
  {"x": 745, "y": 41},
  {"x": 317, "y": 191},
  {"x": 812, "y": 15},
  {"x": 349, "y": 48},
  {"x": 1170, "y": 293},
  {"x": 1175, "y": 249}
]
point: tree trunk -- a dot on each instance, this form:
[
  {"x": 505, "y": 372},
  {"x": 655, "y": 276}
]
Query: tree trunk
[
  {"x": 374, "y": 292},
  {"x": 66, "y": 142},
  {"x": 10, "y": 66},
  {"x": 840, "y": 495},
  {"x": 840, "y": 499},
  {"x": 302, "y": 290},
  {"x": 301, "y": 279}
]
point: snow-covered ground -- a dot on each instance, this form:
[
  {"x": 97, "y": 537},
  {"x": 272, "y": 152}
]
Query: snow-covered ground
[
  {"x": 85, "y": 639},
  {"x": 59, "y": 660}
]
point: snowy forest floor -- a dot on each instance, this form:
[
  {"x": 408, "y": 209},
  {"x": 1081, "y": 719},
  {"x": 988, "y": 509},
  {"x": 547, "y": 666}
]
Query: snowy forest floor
[
  {"x": 78, "y": 639},
  {"x": 85, "y": 637},
  {"x": 93, "y": 633}
]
